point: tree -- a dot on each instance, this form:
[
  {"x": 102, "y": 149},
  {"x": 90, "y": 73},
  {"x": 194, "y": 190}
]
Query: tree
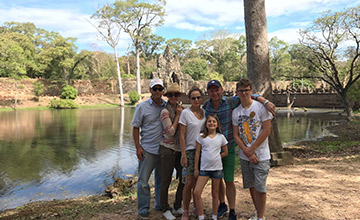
[
  {"x": 279, "y": 59},
  {"x": 196, "y": 68},
  {"x": 225, "y": 54},
  {"x": 151, "y": 45},
  {"x": 336, "y": 64},
  {"x": 180, "y": 47},
  {"x": 16, "y": 52},
  {"x": 258, "y": 61},
  {"x": 136, "y": 18},
  {"x": 110, "y": 32}
]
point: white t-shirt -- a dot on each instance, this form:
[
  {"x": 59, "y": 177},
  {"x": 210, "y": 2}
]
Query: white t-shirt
[
  {"x": 210, "y": 152},
  {"x": 249, "y": 122},
  {"x": 193, "y": 127}
]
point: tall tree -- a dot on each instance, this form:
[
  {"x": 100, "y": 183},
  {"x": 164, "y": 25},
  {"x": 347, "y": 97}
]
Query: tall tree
[
  {"x": 336, "y": 64},
  {"x": 137, "y": 17},
  {"x": 258, "y": 59},
  {"x": 279, "y": 59},
  {"x": 110, "y": 32}
]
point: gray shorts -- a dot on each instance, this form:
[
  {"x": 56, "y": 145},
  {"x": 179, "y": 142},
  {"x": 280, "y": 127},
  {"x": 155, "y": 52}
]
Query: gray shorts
[
  {"x": 190, "y": 156},
  {"x": 255, "y": 175}
]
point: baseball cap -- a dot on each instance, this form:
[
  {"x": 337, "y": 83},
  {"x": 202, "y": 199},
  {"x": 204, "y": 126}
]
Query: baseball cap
[
  {"x": 214, "y": 82},
  {"x": 155, "y": 82}
]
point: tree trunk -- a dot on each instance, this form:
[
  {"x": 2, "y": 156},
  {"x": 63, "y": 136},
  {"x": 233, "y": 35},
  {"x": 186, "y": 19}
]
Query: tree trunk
[
  {"x": 119, "y": 78},
  {"x": 138, "y": 79},
  {"x": 347, "y": 106},
  {"x": 258, "y": 65}
]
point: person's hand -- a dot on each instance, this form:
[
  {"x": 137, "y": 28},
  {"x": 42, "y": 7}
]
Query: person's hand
[
  {"x": 140, "y": 153},
  {"x": 270, "y": 107},
  {"x": 183, "y": 161},
  {"x": 253, "y": 159},
  {"x": 196, "y": 173},
  {"x": 179, "y": 109},
  {"x": 249, "y": 151}
]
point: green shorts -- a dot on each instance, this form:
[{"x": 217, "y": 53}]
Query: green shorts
[{"x": 229, "y": 164}]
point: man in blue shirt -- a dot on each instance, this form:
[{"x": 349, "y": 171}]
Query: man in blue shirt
[{"x": 147, "y": 124}]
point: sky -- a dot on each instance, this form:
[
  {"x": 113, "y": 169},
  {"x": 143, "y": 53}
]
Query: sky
[{"x": 186, "y": 19}]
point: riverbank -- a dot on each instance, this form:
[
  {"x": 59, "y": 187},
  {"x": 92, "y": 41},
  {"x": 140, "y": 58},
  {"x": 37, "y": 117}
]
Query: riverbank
[{"x": 323, "y": 183}]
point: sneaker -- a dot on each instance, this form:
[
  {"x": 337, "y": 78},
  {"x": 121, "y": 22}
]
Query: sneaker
[
  {"x": 168, "y": 215},
  {"x": 143, "y": 216},
  {"x": 254, "y": 216},
  {"x": 185, "y": 215},
  {"x": 232, "y": 216},
  {"x": 222, "y": 210},
  {"x": 178, "y": 211},
  {"x": 263, "y": 218}
]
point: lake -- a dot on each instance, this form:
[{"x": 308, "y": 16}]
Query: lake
[{"x": 57, "y": 154}]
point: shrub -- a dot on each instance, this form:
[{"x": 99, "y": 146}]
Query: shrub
[
  {"x": 38, "y": 89},
  {"x": 134, "y": 97},
  {"x": 68, "y": 92},
  {"x": 63, "y": 104}
]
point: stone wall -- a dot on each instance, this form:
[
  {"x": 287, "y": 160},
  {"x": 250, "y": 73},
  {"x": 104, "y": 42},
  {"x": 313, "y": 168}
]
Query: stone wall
[{"x": 93, "y": 88}]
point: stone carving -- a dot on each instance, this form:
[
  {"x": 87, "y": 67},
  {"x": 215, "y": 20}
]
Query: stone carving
[{"x": 168, "y": 69}]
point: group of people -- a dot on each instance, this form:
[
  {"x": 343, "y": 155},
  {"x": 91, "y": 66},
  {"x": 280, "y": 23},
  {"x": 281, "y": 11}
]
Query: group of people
[{"x": 199, "y": 142}]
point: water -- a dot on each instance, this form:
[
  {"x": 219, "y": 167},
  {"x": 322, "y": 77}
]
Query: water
[{"x": 57, "y": 154}]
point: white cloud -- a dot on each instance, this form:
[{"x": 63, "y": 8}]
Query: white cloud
[
  {"x": 290, "y": 35},
  {"x": 67, "y": 23}
]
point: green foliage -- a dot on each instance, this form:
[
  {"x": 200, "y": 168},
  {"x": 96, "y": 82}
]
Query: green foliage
[
  {"x": 134, "y": 97},
  {"x": 196, "y": 68},
  {"x": 38, "y": 89},
  {"x": 21, "y": 87},
  {"x": 63, "y": 104},
  {"x": 334, "y": 146},
  {"x": 214, "y": 75},
  {"x": 68, "y": 92},
  {"x": 127, "y": 76}
]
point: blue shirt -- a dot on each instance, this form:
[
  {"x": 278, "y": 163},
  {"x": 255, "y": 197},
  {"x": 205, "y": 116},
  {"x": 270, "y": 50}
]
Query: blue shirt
[{"x": 147, "y": 118}]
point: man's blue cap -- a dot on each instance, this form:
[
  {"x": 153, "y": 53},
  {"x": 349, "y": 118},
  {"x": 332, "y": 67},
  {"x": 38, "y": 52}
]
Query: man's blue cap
[{"x": 214, "y": 82}]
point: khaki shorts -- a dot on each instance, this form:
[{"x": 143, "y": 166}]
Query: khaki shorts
[
  {"x": 255, "y": 175},
  {"x": 190, "y": 156}
]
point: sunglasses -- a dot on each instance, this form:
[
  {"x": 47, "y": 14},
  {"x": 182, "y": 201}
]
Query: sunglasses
[
  {"x": 160, "y": 89},
  {"x": 173, "y": 95},
  {"x": 243, "y": 90},
  {"x": 198, "y": 97}
]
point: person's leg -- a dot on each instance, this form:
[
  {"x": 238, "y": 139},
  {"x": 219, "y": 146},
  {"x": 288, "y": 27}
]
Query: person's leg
[
  {"x": 215, "y": 182},
  {"x": 248, "y": 178},
  {"x": 180, "y": 187},
  {"x": 157, "y": 183},
  {"x": 260, "y": 202},
  {"x": 200, "y": 184},
  {"x": 261, "y": 172},
  {"x": 229, "y": 169},
  {"x": 146, "y": 167},
  {"x": 221, "y": 191},
  {"x": 167, "y": 157},
  {"x": 187, "y": 191}
]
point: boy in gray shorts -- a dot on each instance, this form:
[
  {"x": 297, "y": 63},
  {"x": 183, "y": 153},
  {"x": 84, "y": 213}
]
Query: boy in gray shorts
[{"x": 251, "y": 126}]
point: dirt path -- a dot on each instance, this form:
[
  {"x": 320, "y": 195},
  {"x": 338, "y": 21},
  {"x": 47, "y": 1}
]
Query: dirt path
[{"x": 323, "y": 189}]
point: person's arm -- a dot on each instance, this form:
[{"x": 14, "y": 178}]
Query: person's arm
[
  {"x": 197, "y": 159},
  {"x": 224, "y": 150},
  {"x": 266, "y": 125},
  {"x": 270, "y": 107},
  {"x": 253, "y": 158},
  {"x": 136, "y": 136},
  {"x": 183, "y": 160},
  {"x": 169, "y": 127}
]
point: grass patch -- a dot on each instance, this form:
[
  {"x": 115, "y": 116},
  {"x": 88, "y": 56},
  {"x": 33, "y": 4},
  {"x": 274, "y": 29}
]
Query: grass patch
[{"x": 333, "y": 146}]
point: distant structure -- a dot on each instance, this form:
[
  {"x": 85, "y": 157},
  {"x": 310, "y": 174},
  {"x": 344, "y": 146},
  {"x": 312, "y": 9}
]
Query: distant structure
[{"x": 168, "y": 69}]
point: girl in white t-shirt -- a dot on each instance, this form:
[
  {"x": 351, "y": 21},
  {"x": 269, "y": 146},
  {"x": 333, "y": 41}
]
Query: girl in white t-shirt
[{"x": 212, "y": 146}]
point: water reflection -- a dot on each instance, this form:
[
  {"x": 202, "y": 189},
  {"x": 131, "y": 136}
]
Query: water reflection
[
  {"x": 56, "y": 154},
  {"x": 60, "y": 154}
]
